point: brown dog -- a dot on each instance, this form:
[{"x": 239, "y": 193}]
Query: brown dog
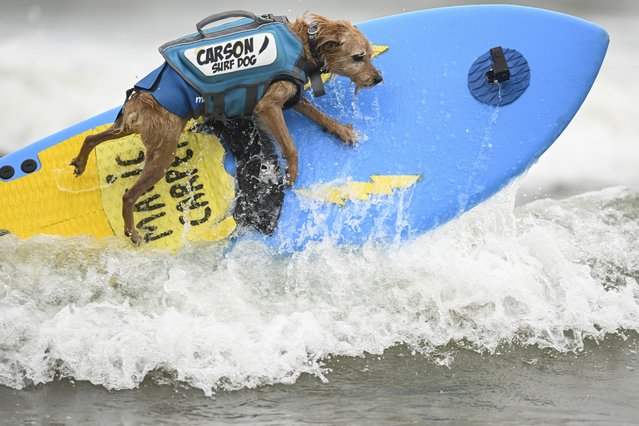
[{"x": 344, "y": 50}]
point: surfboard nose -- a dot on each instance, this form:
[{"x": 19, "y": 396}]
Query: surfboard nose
[{"x": 425, "y": 120}]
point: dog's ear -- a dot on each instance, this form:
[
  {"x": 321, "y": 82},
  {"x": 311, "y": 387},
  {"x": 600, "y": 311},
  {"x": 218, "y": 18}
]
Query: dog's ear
[
  {"x": 329, "y": 33},
  {"x": 329, "y": 45}
]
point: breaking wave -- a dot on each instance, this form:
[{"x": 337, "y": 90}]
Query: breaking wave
[{"x": 553, "y": 274}]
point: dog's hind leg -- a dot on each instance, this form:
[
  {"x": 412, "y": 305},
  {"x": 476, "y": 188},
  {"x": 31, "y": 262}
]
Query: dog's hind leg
[
  {"x": 156, "y": 164},
  {"x": 117, "y": 130},
  {"x": 160, "y": 132}
]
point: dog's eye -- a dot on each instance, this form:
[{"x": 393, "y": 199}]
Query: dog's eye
[{"x": 359, "y": 58}]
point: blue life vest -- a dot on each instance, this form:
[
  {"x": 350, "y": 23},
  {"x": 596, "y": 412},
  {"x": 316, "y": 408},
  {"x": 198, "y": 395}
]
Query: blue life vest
[{"x": 225, "y": 71}]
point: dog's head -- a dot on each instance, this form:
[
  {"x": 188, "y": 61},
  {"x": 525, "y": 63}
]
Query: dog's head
[{"x": 346, "y": 51}]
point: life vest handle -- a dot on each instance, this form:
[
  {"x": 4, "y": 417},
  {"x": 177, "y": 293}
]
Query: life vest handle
[{"x": 225, "y": 15}]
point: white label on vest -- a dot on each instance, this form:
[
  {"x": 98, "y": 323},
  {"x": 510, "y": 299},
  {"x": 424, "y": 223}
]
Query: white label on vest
[{"x": 239, "y": 54}]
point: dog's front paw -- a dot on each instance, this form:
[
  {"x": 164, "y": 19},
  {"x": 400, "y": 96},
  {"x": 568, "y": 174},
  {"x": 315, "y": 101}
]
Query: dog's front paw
[
  {"x": 346, "y": 133},
  {"x": 291, "y": 175}
]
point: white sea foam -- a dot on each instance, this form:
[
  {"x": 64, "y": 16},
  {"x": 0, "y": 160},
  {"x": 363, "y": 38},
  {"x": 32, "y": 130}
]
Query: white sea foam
[{"x": 551, "y": 273}]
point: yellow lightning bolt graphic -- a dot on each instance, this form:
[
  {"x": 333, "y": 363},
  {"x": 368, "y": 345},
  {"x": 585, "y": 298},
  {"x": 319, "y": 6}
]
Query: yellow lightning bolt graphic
[
  {"x": 377, "y": 50},
  {"x": 339, "y": 194}
]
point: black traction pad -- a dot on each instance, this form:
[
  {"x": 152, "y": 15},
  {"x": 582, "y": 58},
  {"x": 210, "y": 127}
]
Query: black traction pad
[{"x": 259, "y": 178}]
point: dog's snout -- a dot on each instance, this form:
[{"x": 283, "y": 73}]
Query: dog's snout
[{"x": 377, "y": 79}]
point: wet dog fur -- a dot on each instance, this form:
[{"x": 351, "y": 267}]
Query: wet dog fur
[{"x": 345, "y": 51}]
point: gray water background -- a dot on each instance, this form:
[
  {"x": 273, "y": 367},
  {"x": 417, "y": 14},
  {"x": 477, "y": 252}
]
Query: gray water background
[{"x": 516, "y": 387}]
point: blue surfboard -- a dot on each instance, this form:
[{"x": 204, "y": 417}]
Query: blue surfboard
[
  {"x": 439, "y": 136},
  {"x": 426, "y": 121}
]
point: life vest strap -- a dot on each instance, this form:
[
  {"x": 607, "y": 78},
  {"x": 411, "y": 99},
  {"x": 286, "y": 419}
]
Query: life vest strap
[
  {"x": 315, "y": 73},
  {"x": 316, "y": 82}
]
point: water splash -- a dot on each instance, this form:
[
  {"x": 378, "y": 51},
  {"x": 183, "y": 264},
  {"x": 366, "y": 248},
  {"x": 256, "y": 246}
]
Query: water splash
[{"x": 551, "y": 273}]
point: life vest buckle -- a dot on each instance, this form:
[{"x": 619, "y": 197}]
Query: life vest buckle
[{"x": 312, "y": 29}]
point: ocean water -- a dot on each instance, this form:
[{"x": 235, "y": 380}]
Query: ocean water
[{"x": 523, "y": 311}]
